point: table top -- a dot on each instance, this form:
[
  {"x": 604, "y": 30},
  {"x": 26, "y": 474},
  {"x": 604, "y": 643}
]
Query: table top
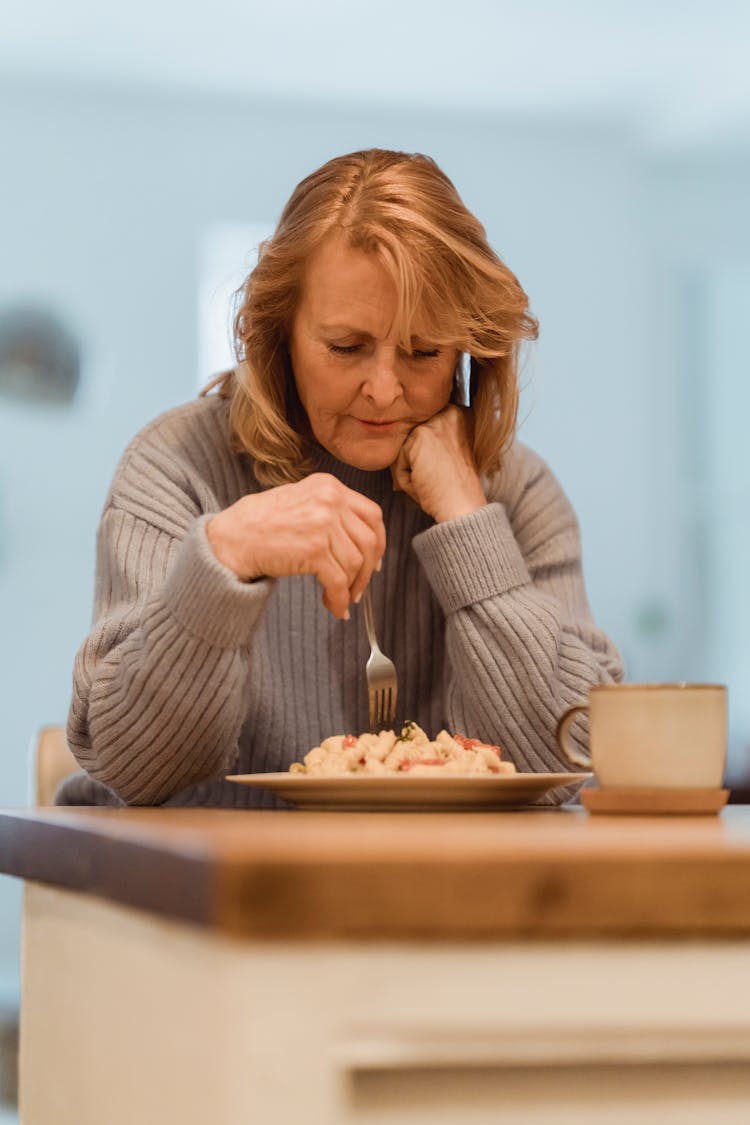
[{"x": 432, "y": 876}]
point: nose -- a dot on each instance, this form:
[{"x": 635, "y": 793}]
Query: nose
[{"x": 382, "y": 383}]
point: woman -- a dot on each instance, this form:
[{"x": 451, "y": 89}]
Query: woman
[{"x": 340, "y": 446}]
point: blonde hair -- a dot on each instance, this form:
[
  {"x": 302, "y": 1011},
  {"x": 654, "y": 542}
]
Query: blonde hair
[{"x": 404, "y": 209}]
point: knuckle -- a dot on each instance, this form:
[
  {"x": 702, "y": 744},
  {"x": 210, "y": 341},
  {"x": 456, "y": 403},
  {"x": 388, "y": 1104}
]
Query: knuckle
[
  {"x": 317, "y": 541},
  {"x": 370, "y": 540},
  {"x": 329, "y": 487},
  {"x": 338, "y": 588},
  {"x": 323, "y": 486},
  {"x": 375, "y": 513}
]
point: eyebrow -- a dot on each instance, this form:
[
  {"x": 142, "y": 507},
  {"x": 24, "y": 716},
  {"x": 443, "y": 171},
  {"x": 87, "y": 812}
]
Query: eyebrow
[{"x": 348, "y": 330}]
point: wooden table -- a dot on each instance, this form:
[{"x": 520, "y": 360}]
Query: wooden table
[{"x": 197, "y": 966}]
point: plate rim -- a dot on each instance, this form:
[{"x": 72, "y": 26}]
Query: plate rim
[
  {"x": 552, "y": 780},
  {"x": 358, "y": 792}
]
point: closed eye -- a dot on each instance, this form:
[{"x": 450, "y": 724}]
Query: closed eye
[
  {"x": 352, "y": 349},
  {"x": 344, "y": 349}
]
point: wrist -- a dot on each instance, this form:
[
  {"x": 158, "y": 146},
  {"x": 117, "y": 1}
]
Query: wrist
[
  {"x": 461, "y": 504},
  {"x": 226, "y": 550},
  {"x": 455, "y": 512}
]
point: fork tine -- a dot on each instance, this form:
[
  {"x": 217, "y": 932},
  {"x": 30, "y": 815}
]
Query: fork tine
[
  {"x": 383, "y": 707},
  {"x": 382, "y": 683},
  {"x": 386, "y": 707}
]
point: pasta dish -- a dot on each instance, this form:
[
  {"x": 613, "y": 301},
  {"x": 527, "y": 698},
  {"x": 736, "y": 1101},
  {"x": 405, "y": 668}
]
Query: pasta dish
[{"x": 411, "y": 751}]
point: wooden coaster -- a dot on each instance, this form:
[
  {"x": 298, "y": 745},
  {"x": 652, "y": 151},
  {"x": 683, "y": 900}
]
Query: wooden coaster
[{"x": 654, "y": 802}]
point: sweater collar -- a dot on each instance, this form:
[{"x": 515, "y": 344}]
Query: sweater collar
[{"x": 376, "y": 485}]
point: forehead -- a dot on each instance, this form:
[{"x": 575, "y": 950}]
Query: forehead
[
  {"x": 346, "y": 287},
  {"x": 341, "y": 281}
]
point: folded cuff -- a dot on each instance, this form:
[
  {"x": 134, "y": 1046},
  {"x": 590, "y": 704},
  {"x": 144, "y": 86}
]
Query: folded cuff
[
  {"x": 208, "y": 599},
  {"x": 471, "y": 558}
]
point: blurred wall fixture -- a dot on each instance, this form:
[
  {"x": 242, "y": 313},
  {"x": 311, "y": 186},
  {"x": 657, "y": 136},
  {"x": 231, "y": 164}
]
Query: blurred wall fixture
[{"x": 39, "y": 357}]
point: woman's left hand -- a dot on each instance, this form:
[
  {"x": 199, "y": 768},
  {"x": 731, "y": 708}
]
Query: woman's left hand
[{"x": 436, "y": 466}]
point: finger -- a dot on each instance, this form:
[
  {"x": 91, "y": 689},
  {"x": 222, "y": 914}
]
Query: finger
[
  {"x": 455, "y": 424},
  {"x": 352, "y": 552},
  {"x": 363, "y": 519},
  {"x": 368, "y": 546},
  {"x": 352, "y": 508},
  {"x": 344, "y": 549},
  {"x": 401, "y": 469},
  {"x": 369, "y": 512},
  {"x": 335, "y": 585},
  {"x": 356, "y": 549}
]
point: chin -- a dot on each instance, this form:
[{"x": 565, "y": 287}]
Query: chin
[
  {"x": 370, "y": 460},
  {"x": 370, "y": 454}
]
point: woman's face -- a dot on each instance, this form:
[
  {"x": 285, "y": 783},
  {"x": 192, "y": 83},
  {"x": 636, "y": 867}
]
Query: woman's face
[{"x": 363, "y": 394}]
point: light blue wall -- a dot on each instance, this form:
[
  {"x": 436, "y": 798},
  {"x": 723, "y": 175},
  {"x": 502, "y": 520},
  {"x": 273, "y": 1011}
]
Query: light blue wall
[{"x": 104, "y": 199}]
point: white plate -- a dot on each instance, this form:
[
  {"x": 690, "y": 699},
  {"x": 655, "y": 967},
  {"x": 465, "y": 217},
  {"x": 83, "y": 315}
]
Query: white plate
[{"x": 405, "y": 792}]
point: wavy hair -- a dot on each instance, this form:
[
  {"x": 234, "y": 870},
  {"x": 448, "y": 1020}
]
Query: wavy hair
[{"x": 404, "y": 209}]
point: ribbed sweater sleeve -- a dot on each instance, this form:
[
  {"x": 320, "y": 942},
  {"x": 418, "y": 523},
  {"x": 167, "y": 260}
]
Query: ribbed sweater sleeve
[
  {"x": 158, "y": 698},
  {"x": 521, "y": 645}
]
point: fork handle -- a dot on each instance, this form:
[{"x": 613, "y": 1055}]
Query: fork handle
[{"x": 369, "y": 619}]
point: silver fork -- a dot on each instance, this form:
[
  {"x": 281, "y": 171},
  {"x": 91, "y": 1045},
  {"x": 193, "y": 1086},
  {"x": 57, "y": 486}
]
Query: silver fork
[{"x": 382, "y": 682}]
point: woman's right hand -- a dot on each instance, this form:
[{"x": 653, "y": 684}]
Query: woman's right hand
[{"x": 314, "y": 526}]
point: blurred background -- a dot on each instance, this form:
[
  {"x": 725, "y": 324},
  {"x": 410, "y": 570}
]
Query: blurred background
[{"x": 144, "y": 152}]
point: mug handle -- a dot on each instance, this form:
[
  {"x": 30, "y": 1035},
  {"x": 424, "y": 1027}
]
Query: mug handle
[{"x": 571, "y": 752}]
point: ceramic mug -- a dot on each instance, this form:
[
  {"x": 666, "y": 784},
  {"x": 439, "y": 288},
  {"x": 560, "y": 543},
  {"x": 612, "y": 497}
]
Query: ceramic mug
[{"x": 653, "y": 735}]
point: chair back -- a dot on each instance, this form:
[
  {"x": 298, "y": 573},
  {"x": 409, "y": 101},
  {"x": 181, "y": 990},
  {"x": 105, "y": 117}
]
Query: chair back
[{"x": 52, "y": 761}]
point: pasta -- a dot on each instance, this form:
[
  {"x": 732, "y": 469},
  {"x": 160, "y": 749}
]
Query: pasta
[{"x": 411, "y": 752}]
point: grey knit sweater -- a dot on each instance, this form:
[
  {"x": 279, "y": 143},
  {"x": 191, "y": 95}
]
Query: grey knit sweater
[{"x": 189, "y": 674}]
